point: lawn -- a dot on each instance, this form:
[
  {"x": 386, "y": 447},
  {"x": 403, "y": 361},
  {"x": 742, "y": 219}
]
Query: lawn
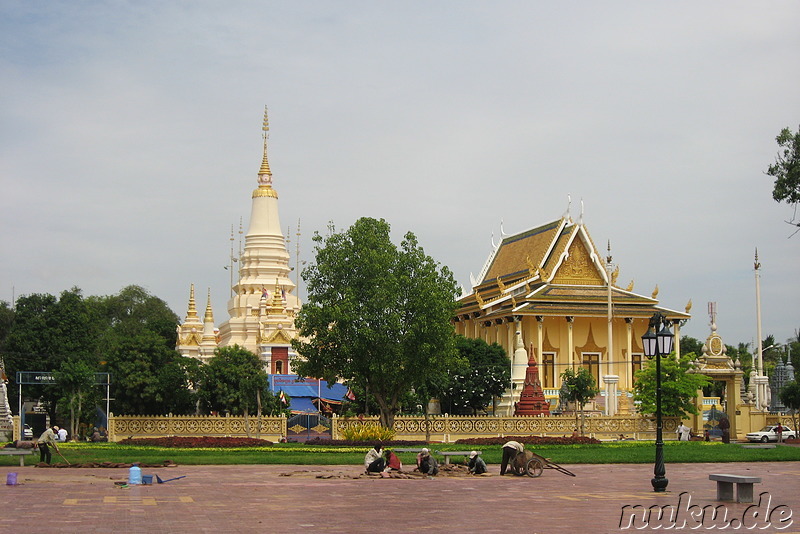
[{"x": 623, "y": 452}]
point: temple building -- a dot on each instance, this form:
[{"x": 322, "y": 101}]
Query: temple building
[
  {"x": 262, "y": 306},
  {"x": 547, "y": 297}
]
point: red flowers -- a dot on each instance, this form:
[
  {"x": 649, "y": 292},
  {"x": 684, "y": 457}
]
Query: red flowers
[{"x": 198, "y": 442}]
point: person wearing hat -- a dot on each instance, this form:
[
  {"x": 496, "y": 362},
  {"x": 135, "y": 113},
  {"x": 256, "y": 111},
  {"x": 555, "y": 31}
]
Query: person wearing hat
[
  {"x": 47, "y": 440},
  {"x": 426, "y": 464},
  {"x": 476, "y": 464}
]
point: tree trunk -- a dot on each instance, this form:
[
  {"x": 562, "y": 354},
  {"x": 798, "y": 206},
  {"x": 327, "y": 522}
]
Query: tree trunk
[
  {"x": 246, "y": 423},
  {"x": 387, "y": 412},
  {"x": 258, "y": 424},
  {"x": 583, "y": 420},
  {"x": 427, "y": 425},
  {"x": 77, "y": 423},
  {"x": 72, "y": 416}
]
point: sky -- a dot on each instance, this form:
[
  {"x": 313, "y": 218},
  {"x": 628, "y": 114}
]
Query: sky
[{"x": 130, "y": 139}]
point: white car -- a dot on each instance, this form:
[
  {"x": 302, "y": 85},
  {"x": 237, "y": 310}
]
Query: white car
[
  {"x": 768, "y": 433},
  {"x": 27, "y": 432}
]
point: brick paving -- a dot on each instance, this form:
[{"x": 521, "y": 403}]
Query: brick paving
[{"x": 256, "y": 498}]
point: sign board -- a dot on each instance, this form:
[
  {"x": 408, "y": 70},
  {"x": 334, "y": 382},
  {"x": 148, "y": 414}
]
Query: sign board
[{"x": 46, "y": 378}]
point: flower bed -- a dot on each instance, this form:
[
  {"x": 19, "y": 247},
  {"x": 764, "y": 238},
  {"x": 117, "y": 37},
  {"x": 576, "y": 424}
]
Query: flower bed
[
  {"x": 368, "y": 443},
  {"x": 530, "y": 440},
  {"x": 198, "y": 442}
]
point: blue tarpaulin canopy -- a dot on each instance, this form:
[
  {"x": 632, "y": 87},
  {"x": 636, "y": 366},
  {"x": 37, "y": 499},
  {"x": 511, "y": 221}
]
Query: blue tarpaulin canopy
[
  {"x": 303, "y": 391},
  {"x": 302, "y": 404}
]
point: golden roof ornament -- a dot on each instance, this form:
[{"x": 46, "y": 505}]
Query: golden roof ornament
[
  {"x": 655, "y": 292},
  {"x": 277, "y": 305},
  {"x": 265, "y": 170},
  {"x": 192, "y": 311},
  {"x": 209, "y": 317},
  {"x": 264, "y": 173},
  {"x": 630, "y": 286},
  {"x": 688, "y": 306}
]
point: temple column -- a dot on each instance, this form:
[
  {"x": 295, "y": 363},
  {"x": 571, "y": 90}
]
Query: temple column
[
  {"x": 629, "y": 364},
  {"x": 539, "y": 343},
  {"x": 573, "y": 358}
]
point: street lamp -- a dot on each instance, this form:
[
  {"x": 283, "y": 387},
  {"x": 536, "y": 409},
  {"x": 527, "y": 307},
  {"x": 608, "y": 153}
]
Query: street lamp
[{"x": 658, "y": 344}]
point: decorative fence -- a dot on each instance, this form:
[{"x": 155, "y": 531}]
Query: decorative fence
[
  {"x": 449, "y": 428},
  {"x": 145, "y": 426},
  {"x": 445, "y": 428}
]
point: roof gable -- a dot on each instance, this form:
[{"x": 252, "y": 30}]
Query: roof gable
[
  {"x": 579, "y": 265},
  {"x": 521, "y": 252}
]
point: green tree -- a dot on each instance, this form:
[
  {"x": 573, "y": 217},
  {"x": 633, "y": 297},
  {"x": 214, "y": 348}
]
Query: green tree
[
  {"x": 377, "y": 315},
  {"x": 483, "y": 375},
  {"x": 137, "y": 346},
  {"x": 690, "y": 344},
  {"x": 234, "y": 380},
  {"x": 46, "y": 332},
  {"x": 579, "y": 387},
  {"x": 790, "y": 397},
  {"x": 6, "y": 320},
  {"x": 786, "y": 169},
  {"x": 679, "y": 386},
  {"x": 75, "y": 382}
]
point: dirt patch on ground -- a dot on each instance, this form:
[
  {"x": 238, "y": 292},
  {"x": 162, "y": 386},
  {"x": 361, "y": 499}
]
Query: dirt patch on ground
[{"x": 445, "y": 471}]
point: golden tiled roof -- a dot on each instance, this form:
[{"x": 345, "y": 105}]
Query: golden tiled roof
[{"x": 515, "y": 251}]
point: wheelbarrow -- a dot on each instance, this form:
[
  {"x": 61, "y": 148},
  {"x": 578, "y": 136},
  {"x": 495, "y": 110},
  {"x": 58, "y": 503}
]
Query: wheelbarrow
[{"x": 531, "y": 464}]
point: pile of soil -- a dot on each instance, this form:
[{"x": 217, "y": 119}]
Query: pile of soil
[{"x": 165, "y": 463}]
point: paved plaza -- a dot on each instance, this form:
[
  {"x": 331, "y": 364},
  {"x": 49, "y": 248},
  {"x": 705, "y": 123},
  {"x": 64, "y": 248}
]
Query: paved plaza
[{"x": 287, "y": 499}]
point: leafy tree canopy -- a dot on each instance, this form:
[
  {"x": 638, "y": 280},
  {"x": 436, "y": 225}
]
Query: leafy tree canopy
[
  {"x": 483, "y": 375},
  {"x": 679, "y": 386},
  {"x": 46, "y": 332},
  {"x": 130, "y": 334},
  {"x": 790, "y": 397},
  {"x": 233, "y": 380},
  {"x": 691, "y": 344},
  {"x": 75, "y": 384},
  {"x": 377, "y": 314},
  {"x": 786, "y": 169},
  {"x": 579, "y": 387}
]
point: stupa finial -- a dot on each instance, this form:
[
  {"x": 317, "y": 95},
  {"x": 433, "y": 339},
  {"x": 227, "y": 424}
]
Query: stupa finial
[{"x": 264, "y": 173}]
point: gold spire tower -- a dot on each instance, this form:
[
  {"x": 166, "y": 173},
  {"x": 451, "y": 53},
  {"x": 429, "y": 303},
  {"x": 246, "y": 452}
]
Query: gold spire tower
[{"x": 264, "y": 262}]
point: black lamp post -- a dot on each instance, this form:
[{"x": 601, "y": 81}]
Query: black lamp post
[{"x": 658, "y": 344}]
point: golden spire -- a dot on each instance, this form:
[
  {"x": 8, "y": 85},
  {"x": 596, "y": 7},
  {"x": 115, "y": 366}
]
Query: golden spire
[
  {"x": 209, "y": 318},
  {"x": 264, "y": 173},
  {"x": 192, "y": 312},
  {"x": 277, "y": 306},
  {"x": 264, "y": 161}
]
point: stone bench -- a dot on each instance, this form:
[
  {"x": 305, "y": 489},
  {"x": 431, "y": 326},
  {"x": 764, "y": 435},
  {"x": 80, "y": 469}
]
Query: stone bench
[
  {"x": 744, "y": 487},
  {"x": 407, "y": 450},
  {"x": 448, "y": 454},
  {"x": 22, "y": 453}
]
